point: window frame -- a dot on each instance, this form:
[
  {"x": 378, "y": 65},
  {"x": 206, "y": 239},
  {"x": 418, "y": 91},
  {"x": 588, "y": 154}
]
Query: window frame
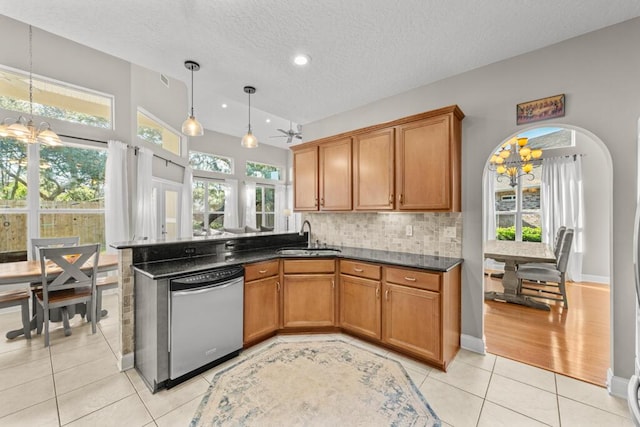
[
  {"x": 205, "y": 171},
  {"x": 263, "y": 179},
  {"x": 207, "y": 181},
  {"x": 262, "y": 213},
  {"x": 167, "y": 127}
]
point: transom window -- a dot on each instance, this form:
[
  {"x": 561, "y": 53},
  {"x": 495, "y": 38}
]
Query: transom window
[
  {"x": 210, "y": 162},
  {"x": 154, "y": 131},
  {"x": 55, "y": 100},
  {"x": 265, "y": 171}
]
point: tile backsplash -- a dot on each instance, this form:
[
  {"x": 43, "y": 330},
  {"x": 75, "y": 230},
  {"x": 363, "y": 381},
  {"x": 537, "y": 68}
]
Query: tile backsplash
[{"x": 438, "y": 234}]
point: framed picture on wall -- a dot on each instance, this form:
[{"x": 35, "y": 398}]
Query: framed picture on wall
[{"x": 540, "y": 109}]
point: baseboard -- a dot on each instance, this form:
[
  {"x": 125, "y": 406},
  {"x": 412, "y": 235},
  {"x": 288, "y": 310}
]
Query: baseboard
[
  {"x": 605, "y": 280},
  {"x": 125, "y": 361},
  {"x": 617, "y": 386},
  {"x": 471, "y": 343}
]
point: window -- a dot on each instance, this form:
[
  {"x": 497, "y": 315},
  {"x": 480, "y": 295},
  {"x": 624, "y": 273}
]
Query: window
[
  {"x": 265, "y": 206},
  {"x": 261, "y": 170},
  {"x": 210, "y": 162},
  {"x": 66, "y": 200},
  {"x": 208, "y": 205},
  {"x": 518, "y": 214},
  {"x": 55, "y": 100},
  {"x": 152, "y": 130}
]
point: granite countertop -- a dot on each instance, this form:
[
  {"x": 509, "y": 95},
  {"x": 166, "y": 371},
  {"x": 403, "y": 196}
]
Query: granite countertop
[{"x": 170, "y": 268}]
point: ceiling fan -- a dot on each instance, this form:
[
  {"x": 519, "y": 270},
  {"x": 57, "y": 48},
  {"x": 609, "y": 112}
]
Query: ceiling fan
[{"x": 290, "y": 134}]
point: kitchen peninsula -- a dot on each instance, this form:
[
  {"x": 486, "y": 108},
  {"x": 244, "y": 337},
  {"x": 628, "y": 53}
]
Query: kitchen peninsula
[{"x": 406, "y": 302}]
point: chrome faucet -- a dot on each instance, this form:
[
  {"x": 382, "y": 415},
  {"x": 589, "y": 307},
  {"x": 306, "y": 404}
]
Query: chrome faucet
[{"x": 301, "y": 232}]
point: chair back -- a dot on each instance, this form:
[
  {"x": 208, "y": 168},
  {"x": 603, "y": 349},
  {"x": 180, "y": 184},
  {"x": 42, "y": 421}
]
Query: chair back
[
  {"x": 51, "y": 242},
  {"x": 68, "y": 261},
  {"x": 565, "y": 251},
  {"x": 557, "y": 242}
]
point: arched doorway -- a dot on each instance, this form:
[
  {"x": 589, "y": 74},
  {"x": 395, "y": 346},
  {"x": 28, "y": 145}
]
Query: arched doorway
[{"x": 561, "y": 333}]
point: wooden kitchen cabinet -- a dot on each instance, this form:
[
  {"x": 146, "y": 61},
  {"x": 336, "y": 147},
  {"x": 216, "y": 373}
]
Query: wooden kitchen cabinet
[
  {"x": 360, "y": 290},
  {"x": 428, "y": 164},
  {"x": 305, "y": 178},
  {"x": 261, "y": 300},
  {"x": 421, "y": 313},
  {"x": 308, "y": 296},
  {"x": 373, "y": 170},
  {"x": 334, "y": 177},
  {"x": 409, "y": 164}
]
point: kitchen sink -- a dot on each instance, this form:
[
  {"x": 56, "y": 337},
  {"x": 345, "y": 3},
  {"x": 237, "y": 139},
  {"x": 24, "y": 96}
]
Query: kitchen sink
[{"x": 308, "y": 252}]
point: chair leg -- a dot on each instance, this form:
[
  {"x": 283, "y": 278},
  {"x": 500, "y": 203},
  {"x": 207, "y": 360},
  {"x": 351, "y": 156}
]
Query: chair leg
[
  {"x": 98, "y": 305},
  {"x": 39, "y": 318},
  {"x": 93, "y": 314},
  {"x": 26, "y": 321},
  {"x": 65, "y": 321},
  {"x": 563, "y": 291},
  {"x": 46, "y": 326}
]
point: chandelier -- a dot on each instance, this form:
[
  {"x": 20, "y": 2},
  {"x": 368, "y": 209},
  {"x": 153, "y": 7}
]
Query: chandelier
[
  {"x": 25, "y": 130},
  {"x": 515, "y": 159}
]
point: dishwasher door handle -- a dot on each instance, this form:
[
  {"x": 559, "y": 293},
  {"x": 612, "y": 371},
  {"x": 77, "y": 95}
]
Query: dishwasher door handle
[{"x": 203, "y": 290}]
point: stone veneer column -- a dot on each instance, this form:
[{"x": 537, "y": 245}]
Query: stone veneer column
[{"x": 125, "y": 291}]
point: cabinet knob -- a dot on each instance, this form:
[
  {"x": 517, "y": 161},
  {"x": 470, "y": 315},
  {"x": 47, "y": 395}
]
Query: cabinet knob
[
  {"x": 333, "y": 284},
  {"x": 386, "y": 294},
  {"x": 278, "y": 286}
]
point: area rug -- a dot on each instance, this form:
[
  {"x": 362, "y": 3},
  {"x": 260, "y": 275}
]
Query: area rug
[{"x": 319, "y": 383}]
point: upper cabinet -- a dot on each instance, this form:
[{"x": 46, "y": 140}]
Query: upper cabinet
[
  {"x": 409, "y": 164},
  {"x": 305, "y": 177},
  {"x": 335, "y": 175},
  {"x": 373, "y": 169}
]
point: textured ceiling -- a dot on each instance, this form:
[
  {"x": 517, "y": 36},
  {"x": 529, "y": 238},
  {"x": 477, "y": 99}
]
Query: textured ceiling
[{"x": 362, "y": 50}]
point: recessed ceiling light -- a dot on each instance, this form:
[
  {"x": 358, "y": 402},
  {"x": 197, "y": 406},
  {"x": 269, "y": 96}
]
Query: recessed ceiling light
[
  {"x": 301, "y": 59},
  {"x": 224, "y": 105},
  {"x": 268, "y": 120}
]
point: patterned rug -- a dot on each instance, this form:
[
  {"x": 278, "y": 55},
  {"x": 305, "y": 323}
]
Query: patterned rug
[{"x": 326, "y": 383}]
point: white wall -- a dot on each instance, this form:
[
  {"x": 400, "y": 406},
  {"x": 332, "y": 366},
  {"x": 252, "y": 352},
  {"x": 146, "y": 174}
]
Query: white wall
[{"x": 598, "y": 72}]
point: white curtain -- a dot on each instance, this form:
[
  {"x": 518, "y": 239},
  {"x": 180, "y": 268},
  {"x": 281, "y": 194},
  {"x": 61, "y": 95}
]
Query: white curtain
[
  {"x": 116, "y": 195},
  {"x": 489, "y": 207},
  {"x": 145, "y": 224},
  {"x": 280, "y": 205},
  {"x": 231, "y": 204},
  {"x": 561, "y": 203},
  {"x": 186, "y": 209},
  {"x": 250, "y": 204}
]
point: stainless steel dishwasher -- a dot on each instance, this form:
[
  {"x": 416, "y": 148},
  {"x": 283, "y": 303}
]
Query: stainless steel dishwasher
[{"x": 205, "y": 321}]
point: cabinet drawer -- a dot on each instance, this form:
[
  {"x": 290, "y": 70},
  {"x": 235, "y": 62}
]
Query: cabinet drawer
[
  {"x": 294, "y": 266},
  {"x": 360, "y": 269},
  {"x": 260, "y": 270},
  {"x": 414, "y": 278}
]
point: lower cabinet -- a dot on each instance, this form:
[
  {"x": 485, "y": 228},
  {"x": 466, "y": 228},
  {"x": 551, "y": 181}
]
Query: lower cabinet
[
  {"x": 309, "y": 293},
  {"x": 360, "y": 290},
  {"x": 412, "y": 320},
  {"x": 261, "y": 300}
]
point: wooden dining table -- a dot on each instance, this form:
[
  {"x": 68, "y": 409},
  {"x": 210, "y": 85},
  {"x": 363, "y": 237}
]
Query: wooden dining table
[
  {"x": 513, "y": 254},
  {"x": 12, "y": 273}
]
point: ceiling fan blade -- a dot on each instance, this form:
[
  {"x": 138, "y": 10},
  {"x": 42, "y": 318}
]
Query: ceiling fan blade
[
  {"x": 283, "y": 131},
  {"x": 289, "y": 140},
  {"x": 298, "y": 136}
]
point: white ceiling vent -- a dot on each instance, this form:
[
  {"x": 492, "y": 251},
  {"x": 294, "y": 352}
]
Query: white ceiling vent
[{"x": 164, "y": 79}]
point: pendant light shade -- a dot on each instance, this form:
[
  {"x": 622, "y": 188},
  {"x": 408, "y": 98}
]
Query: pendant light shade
[
  {"x": 249, "y": 140},
  {"x": 191, "y": 126}
]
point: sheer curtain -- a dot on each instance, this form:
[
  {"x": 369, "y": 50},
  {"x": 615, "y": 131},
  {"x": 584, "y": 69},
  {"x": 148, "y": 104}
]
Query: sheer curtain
[
  {"x": 489, "y": 206},
  {"x": 186, "y": 209},
  {"x": 280, "y": 203},
  {"x": 250, "y": 204},
  {"x": 561, "y": 203},
  {"x": 231, "y": 204},
  {"x": 116, "y": 195},
  {"x": 145, "y": 224}
]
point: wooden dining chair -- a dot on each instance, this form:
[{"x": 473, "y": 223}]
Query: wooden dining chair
[
  {"x": 64, "y": 283},
  {"x": 20, "y": 298},
  {"x": 544, "y": 276}
]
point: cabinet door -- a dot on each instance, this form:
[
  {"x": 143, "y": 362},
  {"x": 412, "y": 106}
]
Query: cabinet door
[
  {"x": 305, "y": 179},
  {"x": 373, "y": 171},
  {"x": 423, "y": 165},
  {"x": 335, "y": 175},
  {"x": 309, "y": 300},
  {"x": 360, "y": 305},
  {"x": 411, "y": 320},
  {"x": 261, "y": 308}
]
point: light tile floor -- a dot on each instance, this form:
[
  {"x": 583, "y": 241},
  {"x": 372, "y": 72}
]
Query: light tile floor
[{"x": 75, "y": 382}]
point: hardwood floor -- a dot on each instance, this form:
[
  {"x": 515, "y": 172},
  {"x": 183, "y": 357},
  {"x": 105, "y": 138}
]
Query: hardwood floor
[{"x": 573, "y": 342}]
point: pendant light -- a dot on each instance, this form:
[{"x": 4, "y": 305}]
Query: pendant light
[
  {"x": 25, "y": 130},
  {"x": 191, "y": 126},
  {"x": 249, "y": 140}
]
